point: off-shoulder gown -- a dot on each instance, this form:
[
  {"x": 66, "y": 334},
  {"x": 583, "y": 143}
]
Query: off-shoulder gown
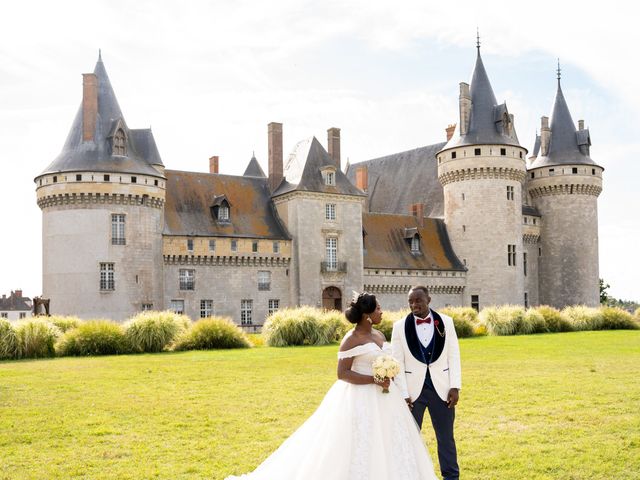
[{"x": 357, "y": 433}]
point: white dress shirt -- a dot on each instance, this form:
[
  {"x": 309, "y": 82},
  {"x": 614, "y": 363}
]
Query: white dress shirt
[{"x": 425, "y": 330}]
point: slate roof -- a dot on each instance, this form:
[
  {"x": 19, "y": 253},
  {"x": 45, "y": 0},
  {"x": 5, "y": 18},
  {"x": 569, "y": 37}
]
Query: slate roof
[
  {"x": 566, "y": 142},
  {"x": 487, "y": 118},
  {"x": 78, "y": 155},
  {"x": 191, "y": 195},
  {"x": 399, "y": 180},
  {"x": 14, "y": 303},
  {"x": 387, "y": 244},
  {"x": 303, "y": 171},
  {"x": 254, "y": 169}
]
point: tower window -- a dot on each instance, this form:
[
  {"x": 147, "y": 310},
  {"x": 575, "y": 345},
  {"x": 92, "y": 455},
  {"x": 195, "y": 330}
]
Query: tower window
[
  {"x": 134, "y": 179},
  {"x": 454, "y": 155},
  {"x": 155, "y": 183},
  {"x": 524, "y": 262},
  {"x": 107, "y": 277},
  {"x": 533, "y": 175},
  {"x": 119, "y": 143},
  {"x": 503, "y": 151},
  {"x": 117, "y": 229},
  {"x": 520, "y": 154},
  {"x": 330, "y": 211},
  {"x": 574, "y": 170},
  {"x": 212, "y": 245},
  {"x": 475, "y": 302},
  {"x": 187, "y": 279},
  {"x": 593, "y": 171},
  {"x": 552, "y": 172},
  {"x": 331, "y": 251},
  {"x": 107, "y": 178},
  {"x": 276, "y": 247},
  {"x": 477, "y": 152},
  {"x": 55, "y": 179},
  {"x": 254, "y": 246},
  {"x": 511, "y": 255},
  {"x": 78, "y": 177},
  {"x": 526, "y": 300},
  {"x": 510, "y": 193}
]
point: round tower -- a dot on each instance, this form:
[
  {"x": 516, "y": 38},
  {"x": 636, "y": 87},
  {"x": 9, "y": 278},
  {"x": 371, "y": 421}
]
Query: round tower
[
  {"x": 482, "y": 170},
  {"x": 564, "y": 183},
  {"x": 102, "y": 205}
]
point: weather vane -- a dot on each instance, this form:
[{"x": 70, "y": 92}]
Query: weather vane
[
  {"x": 559, "y": 71},
  {"x": 478, "y": 38}
]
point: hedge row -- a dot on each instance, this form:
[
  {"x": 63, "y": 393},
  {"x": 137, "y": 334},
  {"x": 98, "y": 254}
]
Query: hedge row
[{"x": 40, "y": 337}]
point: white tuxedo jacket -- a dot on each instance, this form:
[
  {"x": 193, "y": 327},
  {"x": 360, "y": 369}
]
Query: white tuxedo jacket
[{"x": 445, "y": 362}]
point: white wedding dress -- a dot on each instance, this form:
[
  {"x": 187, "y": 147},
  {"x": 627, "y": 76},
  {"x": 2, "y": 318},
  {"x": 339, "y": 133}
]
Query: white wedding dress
[{"x": 357, "y": 433}]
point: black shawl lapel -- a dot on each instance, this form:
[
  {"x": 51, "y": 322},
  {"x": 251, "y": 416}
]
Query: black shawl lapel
[
  {"x": 438, "y": 340},
  {"x": 411, "y": 336}
]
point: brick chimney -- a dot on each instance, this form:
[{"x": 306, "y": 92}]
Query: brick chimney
[
  {"x": 417, "y": 210},
  {"x": 465, "y": 107},
  {"x": 450, "y": 129},
  {"x": 18, "y": 293},
  {"x": 275, "y": 155},
  {"x": 333, "y": 144},
  {"x": 214, "y": 163},
  {"x": 362, "y": 178},
  {"x": 89, "y": 106}
]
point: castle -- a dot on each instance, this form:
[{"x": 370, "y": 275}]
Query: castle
[{"x": 473, "y": 218}]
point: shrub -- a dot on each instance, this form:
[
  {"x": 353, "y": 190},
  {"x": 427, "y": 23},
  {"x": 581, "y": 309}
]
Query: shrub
[
  {"x": 255, "y": 339},
  {"x": 533, "y": 322},
  {"x": 297, "y": 326},
  {"x": 36, "y": 338},
  {"x": 212, "y": 333},
  {"x": 614, "y": 318},
  {"x": 636, "y": 314},
  {"x": 505, "y": 320},
  {"x": 464, "y": 318},
  {"x": 63, "y": 323},
  {"x": 583, "y": 318},
  {"x": 96, "y": 337},
  {"x": 8, "y": 340},
  {"x": 553, "y": 319},
  {"x": 154, "y": 331},
  {"x": 336, "y": 323}
]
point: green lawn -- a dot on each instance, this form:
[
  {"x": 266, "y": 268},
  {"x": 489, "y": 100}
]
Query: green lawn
[{"x": 558, "y": 406}]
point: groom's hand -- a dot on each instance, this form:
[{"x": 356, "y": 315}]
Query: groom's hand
[
  {"x": 409, "y": 403},
  {"x": 453, "y": 397}
]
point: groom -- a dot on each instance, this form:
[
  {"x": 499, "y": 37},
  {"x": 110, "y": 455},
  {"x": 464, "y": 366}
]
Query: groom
[{"x": 426, "y": 345}]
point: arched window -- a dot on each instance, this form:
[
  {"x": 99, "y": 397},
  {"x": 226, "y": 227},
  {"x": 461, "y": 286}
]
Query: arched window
[
  {"x": 223, "y": 212},
  {"x": 415, "y": 244},
  {"x": 119, "y": 143}
]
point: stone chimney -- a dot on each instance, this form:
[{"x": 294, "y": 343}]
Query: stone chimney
[
  {"x": 333, "y": 145},
  {"x": 89, "y": 106},
  {"x": 275, "y": 155},
  {"x": 18, "y": 293},
  {"x": 362, "y": 178},
  {"x": 417, "y": 210},
  {"x": 465, "y": 107},
  {"x": 450, "y": 129},
  {"x": 214, "y": 164},
  {"x": 580, "y": 124},
  {"x": 545, "y": 136}
]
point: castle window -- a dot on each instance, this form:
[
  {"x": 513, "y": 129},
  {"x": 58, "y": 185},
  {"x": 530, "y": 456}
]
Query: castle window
[
  {"x": 552, "y": 172},
  {"x": 503, "y": 151},
  {"x": 254, "y": 246},
  {"x": 146, "y": 307},
  {"x": 331, "y": 248},
  {"x": 190, "y": 244},
  {"x": 520, "y": 154},
  {"x": 223, "y": 213},
  {"x": 55, "y": 179},
  {"x": 246, "y": 312},
  {"x": 534, "y": 221},
  {"x": 526, "y": 300},
  {"x": 330, "y": 211},
  {"x": 475, "y": 302},
  {"x": 415, "y": 244},
  {"x": 4, "y": 315},
  {"x": 107, "y": 277},
  {"x": 155, "y": 183},
  {"x": 78, "y": 177},
  {"x": 119, "y": 143},
  {"x": 212, "y": 245},
  {"x": 106, "y": 178},
  {"x": 454, "y": 155},
  {"x": 234, "y": 245},
  {"x": 464, "y": 260},
  {"x": 526, "y": 220},
  {"x": 511, "y": 255},
  {"x": 23, "y": 315},
  {"x": 524, "y": 262},
  {"x": 264, "y": 280},
  {"x": 477, "y": 151},
  {"x": 533, "y": 175},
  {"x": 134, "y": 179},
  {"x": 187, "y": 279},
  {"x": 117, "y": 229},
  {"x": 593, "y": 171},
  {"x": 510, "y": 193},
  {"x": 539, "y": 251},
  {"x": 463, "y": 197},
  {"x": 574, "y": 170},
  {"x": 276, "y": 247},
  {"x": 464, "y": 228},
  {"x": 206, "y": 308},
  {"x": 177, "y": 306},
  {"x": 274, "y": 305}
]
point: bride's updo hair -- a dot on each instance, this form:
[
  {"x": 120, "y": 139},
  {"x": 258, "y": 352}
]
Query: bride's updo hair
[{"x": 365, "y": 303}]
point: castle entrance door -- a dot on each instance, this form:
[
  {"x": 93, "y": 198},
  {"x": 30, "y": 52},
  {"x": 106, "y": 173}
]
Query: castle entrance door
[{"x": 332, "y": 298}]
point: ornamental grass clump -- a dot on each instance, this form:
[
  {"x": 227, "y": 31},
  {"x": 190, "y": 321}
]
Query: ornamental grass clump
[
  {"x": 583, "y": 318},
  {"x": 554, "y": 320},
  {"x": 505, "y": 320},
  {"x": 8, "y": 340},
  {"x": 336, "y": 323},
  {"x": 297, "y": 326},
  {"x": 212, "y": 333},
  {"x": 615, "y": 318},
  {"x": 465, "y": 320},
  {"x": 533, "y": 322},
  {"x": 63, "y": 323},
  {"x": 388, "y": 319},
  {"x": 155, "y": 331},
  {"x": 36, "y": 338},
  {"x": 95, "y": 337}
]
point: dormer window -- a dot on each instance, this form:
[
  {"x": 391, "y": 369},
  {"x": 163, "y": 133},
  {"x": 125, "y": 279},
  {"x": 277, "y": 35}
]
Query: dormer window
[
  {"x": 220, "y": 209},
  {"x": 223, "y": 213},
  {"x": 119, "y": 143},
  {"x": 415, "y": 244},
  {"x": 329, "y": 175}
]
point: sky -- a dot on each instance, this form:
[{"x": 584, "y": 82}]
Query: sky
[{"x": 208, "y": 76}]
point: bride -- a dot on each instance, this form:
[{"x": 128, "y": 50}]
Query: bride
[{"x": 357, "y": 432}]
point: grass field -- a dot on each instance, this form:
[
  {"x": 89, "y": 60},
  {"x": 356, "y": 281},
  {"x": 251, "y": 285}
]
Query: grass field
[{"x": 558, "y": 406}]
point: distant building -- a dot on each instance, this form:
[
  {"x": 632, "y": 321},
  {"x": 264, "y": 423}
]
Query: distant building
[
  {"x": 470, "y": 218},
  {"x": 15, "y": 306}
]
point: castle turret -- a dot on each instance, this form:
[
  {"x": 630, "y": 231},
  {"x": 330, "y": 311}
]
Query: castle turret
[
  {"x": 564, "y": 183},
  {"x": 102, "y": 204},
  {"x": 481, "y": 169}
]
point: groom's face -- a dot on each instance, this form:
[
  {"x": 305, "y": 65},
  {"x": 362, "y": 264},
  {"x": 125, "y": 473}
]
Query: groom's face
[{"x": 419, "y": 303}]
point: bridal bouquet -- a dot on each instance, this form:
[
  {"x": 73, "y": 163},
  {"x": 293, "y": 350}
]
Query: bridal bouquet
[{"x": 385, "y": 366}]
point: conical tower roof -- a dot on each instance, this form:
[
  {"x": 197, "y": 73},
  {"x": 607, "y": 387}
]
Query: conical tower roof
[
  {"x": 565, "y": 141},
  {"x": 96, "y": 155},
  {"x": 254, "y": 169},
  {"x": 489, "y": 123}
]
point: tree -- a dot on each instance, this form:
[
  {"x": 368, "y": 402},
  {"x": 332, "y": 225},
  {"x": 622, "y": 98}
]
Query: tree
[{"x": 604, "y": 296}]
